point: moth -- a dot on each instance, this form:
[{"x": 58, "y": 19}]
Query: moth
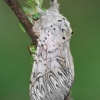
[{"x": 53, "y": 69}]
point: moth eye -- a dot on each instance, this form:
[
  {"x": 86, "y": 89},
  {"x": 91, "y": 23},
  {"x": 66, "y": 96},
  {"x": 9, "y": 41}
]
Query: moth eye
[{"x": 51, "y": 26}]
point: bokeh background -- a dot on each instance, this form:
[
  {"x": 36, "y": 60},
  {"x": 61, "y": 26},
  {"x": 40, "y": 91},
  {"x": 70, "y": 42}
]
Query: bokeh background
[{"x": 15, "y": 67}]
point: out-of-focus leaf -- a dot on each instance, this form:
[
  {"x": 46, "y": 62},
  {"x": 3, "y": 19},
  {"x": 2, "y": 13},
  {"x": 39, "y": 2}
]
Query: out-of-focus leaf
[
  {"x": 28, "y": 3},
  {"x": 30, "y": 18},
  {"x": 43, "y": 9},
  {"x": 21, "y": 26},
  {"x": 41, "y": 2},
  {"x": 32, "y": 50},
  {"x": 32, "y": 4},
  {"x": 28, "y": 10}
]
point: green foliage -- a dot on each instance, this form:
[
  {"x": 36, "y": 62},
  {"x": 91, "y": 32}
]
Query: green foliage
[
  {"x": 31, "y": 11},
  {"x": 36, "y": 16},
  {"x": 32, "y": 50},
  {"x": 32, "y": 14},
  {"x": 21, "y": 26},
  {"x": 32, "y": 4}
]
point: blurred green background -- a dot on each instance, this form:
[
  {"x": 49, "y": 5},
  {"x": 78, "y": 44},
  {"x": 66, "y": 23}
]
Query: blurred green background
[{"x": 15, "y": 67}]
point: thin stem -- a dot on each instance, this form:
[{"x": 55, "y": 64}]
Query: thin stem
[{"x": 16, "y": 8}]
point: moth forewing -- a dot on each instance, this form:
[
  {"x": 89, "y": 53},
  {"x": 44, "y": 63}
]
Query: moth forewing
[{"x": 53, "y": 71}]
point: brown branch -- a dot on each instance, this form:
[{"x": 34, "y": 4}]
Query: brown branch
[{"x": 16, "y": 8}]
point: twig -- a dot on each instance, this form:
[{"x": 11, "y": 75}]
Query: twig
[{"x": 16, "y": 8}]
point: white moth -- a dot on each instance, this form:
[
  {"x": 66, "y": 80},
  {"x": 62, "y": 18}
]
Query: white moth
[{"x": 53, "y": 71}]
